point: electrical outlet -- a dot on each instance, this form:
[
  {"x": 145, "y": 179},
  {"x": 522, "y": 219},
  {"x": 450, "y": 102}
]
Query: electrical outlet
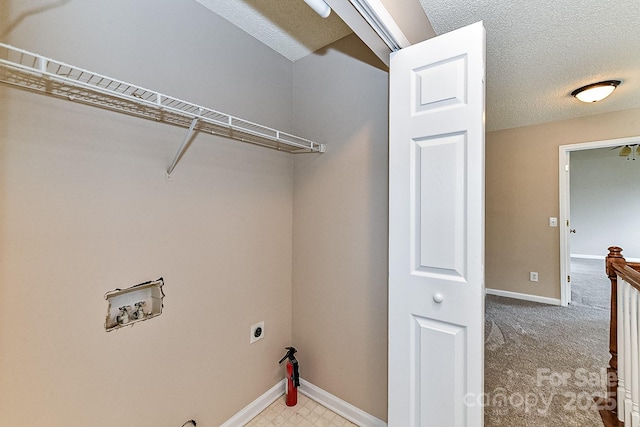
[
  {"x": 257, "y": 332},
  {"x": 533, "y": 276}
]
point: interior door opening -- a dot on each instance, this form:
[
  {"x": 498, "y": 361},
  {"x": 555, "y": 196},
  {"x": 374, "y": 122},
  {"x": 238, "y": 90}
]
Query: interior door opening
[{"x": 568, "y": 229}]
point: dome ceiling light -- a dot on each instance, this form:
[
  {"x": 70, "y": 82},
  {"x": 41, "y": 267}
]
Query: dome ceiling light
[{"x": 596, "y": 91}]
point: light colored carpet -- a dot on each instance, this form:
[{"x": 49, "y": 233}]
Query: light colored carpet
[
  {"x": 590, "y": 285},
  {"x": 544, "y": 364}
]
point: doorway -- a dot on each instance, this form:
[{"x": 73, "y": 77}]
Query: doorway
[{"x": 610, "y": 181}]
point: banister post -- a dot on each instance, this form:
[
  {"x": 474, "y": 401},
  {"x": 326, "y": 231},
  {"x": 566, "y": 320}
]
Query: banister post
[{"x": 614, "y": 257}]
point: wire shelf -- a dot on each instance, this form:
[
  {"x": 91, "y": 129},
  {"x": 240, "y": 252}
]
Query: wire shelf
[{"x": 37, "y": 73}]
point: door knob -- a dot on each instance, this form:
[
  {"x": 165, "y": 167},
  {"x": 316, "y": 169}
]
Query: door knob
[
  {"x": 438, "y": 298},
  {"x": 572, "y": 230}
]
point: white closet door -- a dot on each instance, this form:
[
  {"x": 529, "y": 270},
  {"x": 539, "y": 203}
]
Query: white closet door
[{"x": 436, "y": 231}]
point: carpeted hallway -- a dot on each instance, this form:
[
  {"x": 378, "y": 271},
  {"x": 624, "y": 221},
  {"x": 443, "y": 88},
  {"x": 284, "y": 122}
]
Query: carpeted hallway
[{"x": 544, "y": 364}]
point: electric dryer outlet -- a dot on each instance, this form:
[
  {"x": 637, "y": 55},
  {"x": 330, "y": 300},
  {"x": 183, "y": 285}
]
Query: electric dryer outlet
[{"x": 257, "y": 332}]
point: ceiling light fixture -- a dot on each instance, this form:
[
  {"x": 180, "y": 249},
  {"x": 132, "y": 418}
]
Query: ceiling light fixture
[
  {"x": 625, "y": 151},
  {"x": 321, "y": 8},
  {"x": 629, "y": 151},
  {"x": 596, "y": 91}
]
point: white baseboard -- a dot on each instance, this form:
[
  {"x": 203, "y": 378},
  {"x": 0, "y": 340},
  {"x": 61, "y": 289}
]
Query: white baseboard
[
  {"x": 526, "y": 297},
  {"x": 585, "y": 256},
  {"x": 602, "y": 257},
  {"x": 254, "y": 408},
  {"x": 339, "y": 406},
  {"x": 326, "y": 399}
]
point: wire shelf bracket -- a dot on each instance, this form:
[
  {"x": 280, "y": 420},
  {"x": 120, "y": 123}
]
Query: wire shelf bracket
[
  {"x": 34, "y": 72},
  {"x": 183, "y": 146}
]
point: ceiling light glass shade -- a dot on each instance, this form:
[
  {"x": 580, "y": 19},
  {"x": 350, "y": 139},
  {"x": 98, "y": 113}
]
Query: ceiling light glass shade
[
  {"x": 320, "y": 7},
  {"x": 596, "y": 91},
  {"x": 625, "y": 151}
]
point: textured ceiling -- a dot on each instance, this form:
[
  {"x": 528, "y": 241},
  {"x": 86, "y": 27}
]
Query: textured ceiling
[{"x": 537, "y": 51}]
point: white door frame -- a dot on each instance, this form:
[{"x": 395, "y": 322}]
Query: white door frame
[{"x": 565, "y": 192}]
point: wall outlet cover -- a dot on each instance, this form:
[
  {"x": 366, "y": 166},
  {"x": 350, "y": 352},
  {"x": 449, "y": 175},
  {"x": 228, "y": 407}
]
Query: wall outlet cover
[{"x": 257, "y": 332}]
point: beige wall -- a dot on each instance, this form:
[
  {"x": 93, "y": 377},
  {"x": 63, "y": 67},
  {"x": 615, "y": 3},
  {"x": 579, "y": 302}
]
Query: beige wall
[
  {"x": 85, "y": 208},
  {"x": 340, "y": 226},
  {"x": 522, "y": 193}
]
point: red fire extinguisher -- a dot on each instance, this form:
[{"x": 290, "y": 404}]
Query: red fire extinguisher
[{"x": 292, "y": 379}]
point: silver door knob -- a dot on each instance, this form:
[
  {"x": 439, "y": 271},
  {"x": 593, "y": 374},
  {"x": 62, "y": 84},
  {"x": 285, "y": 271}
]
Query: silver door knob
[{"x": 438, "y": 298}]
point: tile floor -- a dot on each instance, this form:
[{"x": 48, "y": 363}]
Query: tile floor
[{"x": 307, "y": 413}]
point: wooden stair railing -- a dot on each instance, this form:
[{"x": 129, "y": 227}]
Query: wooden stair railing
[{"x": 623, "y": 387}]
